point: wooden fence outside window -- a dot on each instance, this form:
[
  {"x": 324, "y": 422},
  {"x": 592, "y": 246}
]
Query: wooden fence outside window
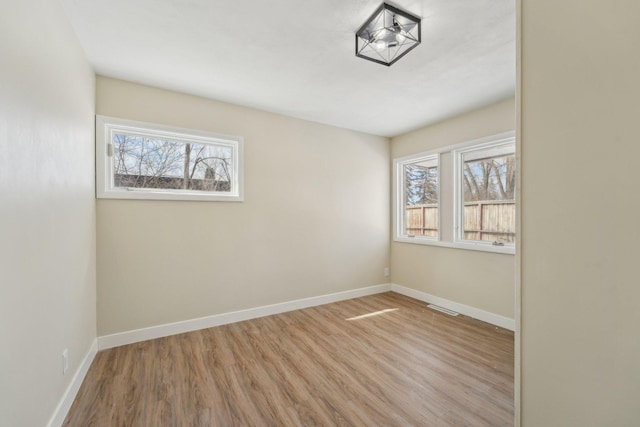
[{"x": 487, "y": 220}]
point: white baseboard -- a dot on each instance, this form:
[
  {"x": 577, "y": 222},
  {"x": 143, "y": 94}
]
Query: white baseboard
[
  {"x": 137, "y": 335},
  {"x": 476, "y": 313},
  {"x": 70, "y": 393}
]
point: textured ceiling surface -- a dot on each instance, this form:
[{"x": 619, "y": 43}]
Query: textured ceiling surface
[{"x": 297, "y": 57}]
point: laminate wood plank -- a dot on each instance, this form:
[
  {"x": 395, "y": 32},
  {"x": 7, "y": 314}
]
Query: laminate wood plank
[{"x": 384, "y": 359}]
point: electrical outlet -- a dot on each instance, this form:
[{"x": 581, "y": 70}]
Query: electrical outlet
[
  {"x": 386, "y": 272},
  {"x": 65, "y": 361}
]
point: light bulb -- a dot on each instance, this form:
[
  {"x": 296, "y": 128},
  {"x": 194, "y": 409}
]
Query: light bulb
[{"x": 381, "y": 44}]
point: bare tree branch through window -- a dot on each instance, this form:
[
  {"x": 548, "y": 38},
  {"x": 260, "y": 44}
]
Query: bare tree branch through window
[{"x": 146, "y": 162}]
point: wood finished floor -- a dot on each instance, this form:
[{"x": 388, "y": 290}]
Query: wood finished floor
[{"x": 381, "y": 360}]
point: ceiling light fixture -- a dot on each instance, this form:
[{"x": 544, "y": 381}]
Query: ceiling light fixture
[{"x": 388, "y": 35}]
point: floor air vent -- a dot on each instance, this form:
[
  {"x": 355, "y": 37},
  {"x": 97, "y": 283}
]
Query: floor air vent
[{"x": 444, "y": 310}]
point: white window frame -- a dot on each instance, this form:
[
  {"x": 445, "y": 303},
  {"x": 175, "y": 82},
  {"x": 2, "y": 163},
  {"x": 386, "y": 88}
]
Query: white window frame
[
  {"x": 447, "y": 209},
  {"x": 106, "y": 127},
  {"x": 399, "y": 187},
  {"x": 499, "y": 145}
]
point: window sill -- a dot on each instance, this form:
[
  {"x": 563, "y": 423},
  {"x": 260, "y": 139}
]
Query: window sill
[
  {"x": 144, "y": 194},
  {"x": 506, "y": 250}
]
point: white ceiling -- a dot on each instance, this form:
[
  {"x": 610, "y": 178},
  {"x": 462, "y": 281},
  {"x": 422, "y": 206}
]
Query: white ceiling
[{"x": 297, "y": 57}]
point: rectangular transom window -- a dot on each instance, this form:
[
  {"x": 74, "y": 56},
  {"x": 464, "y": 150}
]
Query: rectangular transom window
[
  {"x": 486, "y": 193},
  {"x": 418, "y": 189},
  {"x": 136, "y": 160}
]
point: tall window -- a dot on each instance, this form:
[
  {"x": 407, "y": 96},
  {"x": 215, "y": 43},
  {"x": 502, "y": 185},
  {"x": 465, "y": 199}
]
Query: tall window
[
  {"x": 419, "y": 189},
  {"x": 461, "y": 196},
  {"x": 486, "y": 199},
  {"x": 147, "y": 161}
]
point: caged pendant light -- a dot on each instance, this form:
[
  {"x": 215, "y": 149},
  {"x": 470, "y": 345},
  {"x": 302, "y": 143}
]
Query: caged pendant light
[{"x": 388, "y": 35}]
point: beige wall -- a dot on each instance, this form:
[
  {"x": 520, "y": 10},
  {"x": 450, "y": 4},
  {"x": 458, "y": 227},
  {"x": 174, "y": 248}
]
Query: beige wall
[
  {"x": 47, "y": 209},
  {"x": 479, "y": 279},
  {"x": 315, "y": 219},
  {"x": 580, "y": 151}
]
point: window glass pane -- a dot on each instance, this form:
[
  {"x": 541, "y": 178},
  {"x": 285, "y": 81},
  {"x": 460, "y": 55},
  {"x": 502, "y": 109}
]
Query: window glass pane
[
  {"x": 150, "y": 162},
  {"x": 489, "y": 184},
  {"x": 421, "y": 198}
]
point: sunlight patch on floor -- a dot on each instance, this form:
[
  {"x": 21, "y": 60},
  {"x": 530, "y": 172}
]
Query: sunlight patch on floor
[{"x": 375, "y": 313}]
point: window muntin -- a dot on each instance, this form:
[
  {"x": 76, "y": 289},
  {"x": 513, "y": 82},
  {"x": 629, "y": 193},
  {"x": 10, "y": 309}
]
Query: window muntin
[
  {"x": 419, "y": 208},
  {"x": 486, "y": 202},
  {"x": 148, "y": 161}
]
